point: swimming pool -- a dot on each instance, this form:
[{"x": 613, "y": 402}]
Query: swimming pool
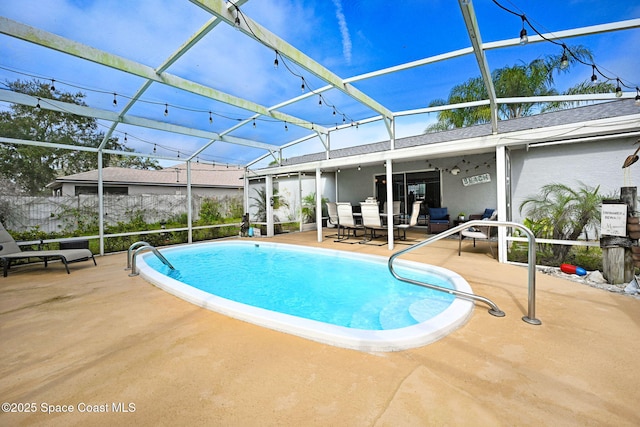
[{"x": 335, "y": 297}]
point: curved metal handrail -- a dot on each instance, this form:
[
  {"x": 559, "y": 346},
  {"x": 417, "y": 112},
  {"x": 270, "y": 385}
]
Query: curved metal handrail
[
  {"x": 157, "y": 253},
  {"x": 130, "y": 250},
  {"x": 494, "y": 310}
]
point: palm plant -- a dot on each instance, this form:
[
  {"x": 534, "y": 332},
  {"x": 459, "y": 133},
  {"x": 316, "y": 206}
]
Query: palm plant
[
  {"x": 261, "y": 204},
  {"x": 569, "y": 210},
  {"x": 309, "y": 207},
  {"x": 533, "y": 79}
]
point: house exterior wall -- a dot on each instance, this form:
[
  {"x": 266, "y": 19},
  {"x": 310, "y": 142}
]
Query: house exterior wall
[
  {"x": 69, "y": 189},
  {"x": 592, "y": 163}
]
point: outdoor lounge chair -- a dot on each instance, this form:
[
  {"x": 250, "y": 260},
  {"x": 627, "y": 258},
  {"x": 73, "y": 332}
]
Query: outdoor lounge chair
[
  {"x": 413, "y": 220},
  {"x": 10, "y": 251},
  {"x": 480, "y": 233}
]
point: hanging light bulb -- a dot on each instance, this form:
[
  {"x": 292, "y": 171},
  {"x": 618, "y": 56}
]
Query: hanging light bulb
[
  {"x": 344, "y": 119},
  {"x": 53, "y": 85},
  {"x": 302, "y": 85},
  {"x": 593, "y": 73},
  {"x": 286, "y": 128},
  {"x": 564, "y": 61},
  {"x": 166, "y": 110},
  {"x": 115, "y": 101},
  {"x": 254, "y": 123},
  {"x": 523, "y": 33},
  {"x": 38, "y": 105},
  {"x": 359, "y": 167},
  {"x": 637, "y": 96},
  {"x": 154, "y": 148},
  {"x": 237, "y": 20},
  {"x": 334, "y": 111},
  {"x": 275, "y": 61},
  {"x": 210, "y": 118},
  {"x": 125, "y": 140},
  {"x": 618, "y": 89},
  {"x": 319, "y": 100}
]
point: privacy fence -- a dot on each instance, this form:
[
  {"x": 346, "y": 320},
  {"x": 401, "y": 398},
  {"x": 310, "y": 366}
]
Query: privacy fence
[{"x": 80, "y": 213}]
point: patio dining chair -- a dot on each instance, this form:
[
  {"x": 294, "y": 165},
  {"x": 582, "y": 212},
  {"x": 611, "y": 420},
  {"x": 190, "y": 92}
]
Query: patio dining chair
[
  {"x": 372, "y": 221},
  {"x": 346, "y": 222},
  {"x": 413, "y": 220},
  {"x": 333, "y": 221}
]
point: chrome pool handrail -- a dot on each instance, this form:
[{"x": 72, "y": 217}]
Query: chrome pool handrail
[
  {"x": 155, "y": 251},
  {"x": 130, "y": 250},
  {"x": 494, "y": 310}
]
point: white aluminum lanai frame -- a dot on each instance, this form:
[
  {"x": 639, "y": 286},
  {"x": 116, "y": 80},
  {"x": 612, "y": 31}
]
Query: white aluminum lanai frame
[{"x": 227, "y": 13}]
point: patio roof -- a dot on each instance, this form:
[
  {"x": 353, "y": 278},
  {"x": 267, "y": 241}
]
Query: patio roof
[
  {"x": 514, "y": 132},
  {"x": 215, "y": 79}
]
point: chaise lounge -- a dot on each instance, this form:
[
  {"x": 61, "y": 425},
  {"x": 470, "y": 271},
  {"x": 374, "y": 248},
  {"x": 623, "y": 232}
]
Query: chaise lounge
[{"x": 10, "y": 251}]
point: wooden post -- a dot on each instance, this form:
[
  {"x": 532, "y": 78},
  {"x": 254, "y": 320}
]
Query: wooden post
[{"x": 617, "y": 253}]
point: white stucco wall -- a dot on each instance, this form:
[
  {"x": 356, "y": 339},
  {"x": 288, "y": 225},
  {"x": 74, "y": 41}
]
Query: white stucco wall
[{"x": 592, "y": 163}]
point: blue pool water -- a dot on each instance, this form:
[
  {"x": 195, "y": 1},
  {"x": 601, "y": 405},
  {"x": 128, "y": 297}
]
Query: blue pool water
[{"x": 307, "y": 284}]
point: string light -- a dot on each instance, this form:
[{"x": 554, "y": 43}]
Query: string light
[
  {"x": 286, "y": 128},
  {"x": 566, "y": 52},
  {"x": 275, "y": 61},
  {"x": 237, "y": 20},
  {"x": 154, "y": 148},
  {"x": 38, "y": 105},
  {"x": 125, "y": 140},
  {"x": 254, "y": 123},
  {"x": 53, "y": 85},
  {"x": 302, "y": 85},
  {"x": 210, "y": 118},
  {"x": 166, "y": 110},
  {"x": 115, "y": 101},
  {"x": 564, "y": 61},
  {"x": 524, "y": 39}
]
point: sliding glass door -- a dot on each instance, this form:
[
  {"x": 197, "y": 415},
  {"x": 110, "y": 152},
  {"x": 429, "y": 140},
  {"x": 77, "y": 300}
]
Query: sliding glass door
[{"x": 409, "y": 187}]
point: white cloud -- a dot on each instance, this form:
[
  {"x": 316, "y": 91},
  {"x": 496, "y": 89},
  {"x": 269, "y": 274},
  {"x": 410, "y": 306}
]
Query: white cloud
[{"x": 344, "y": 31}]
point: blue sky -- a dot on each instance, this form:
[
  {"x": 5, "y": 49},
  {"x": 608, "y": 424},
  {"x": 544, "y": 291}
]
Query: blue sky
[{"x": 349, "y": 37}]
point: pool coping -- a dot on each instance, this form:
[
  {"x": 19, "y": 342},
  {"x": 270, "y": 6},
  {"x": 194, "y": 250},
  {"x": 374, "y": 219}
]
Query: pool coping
[{"x": 453, "y": 317}]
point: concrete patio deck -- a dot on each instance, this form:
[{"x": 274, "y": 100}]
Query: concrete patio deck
[{"x": 98, "y": 339}]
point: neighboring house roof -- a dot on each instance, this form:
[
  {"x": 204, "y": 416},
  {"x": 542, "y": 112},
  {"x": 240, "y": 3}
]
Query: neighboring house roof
[
  {"x": 175, "y": 176},
  {"x": 582, "y": 114}
]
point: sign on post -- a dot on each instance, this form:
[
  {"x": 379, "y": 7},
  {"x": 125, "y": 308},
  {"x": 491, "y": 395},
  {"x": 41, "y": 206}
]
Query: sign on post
[{"x": 614, "y": 220}]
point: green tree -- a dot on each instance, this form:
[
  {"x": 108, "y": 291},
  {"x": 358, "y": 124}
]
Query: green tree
[
  {"x": 32, "y": 167},
  {"x": 569, "y": 210},
  {"x": 533, "y": 79}
]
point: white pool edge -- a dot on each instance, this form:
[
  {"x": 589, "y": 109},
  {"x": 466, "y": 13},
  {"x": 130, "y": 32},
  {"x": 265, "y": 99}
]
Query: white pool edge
[{"x": 453, "y": 317}]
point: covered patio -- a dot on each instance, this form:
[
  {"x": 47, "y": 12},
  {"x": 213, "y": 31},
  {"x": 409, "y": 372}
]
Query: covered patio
[{"x": 97, "y": 337}]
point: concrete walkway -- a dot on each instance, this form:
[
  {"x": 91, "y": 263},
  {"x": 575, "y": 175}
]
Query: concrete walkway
[{"x": 135, "y": 355}]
